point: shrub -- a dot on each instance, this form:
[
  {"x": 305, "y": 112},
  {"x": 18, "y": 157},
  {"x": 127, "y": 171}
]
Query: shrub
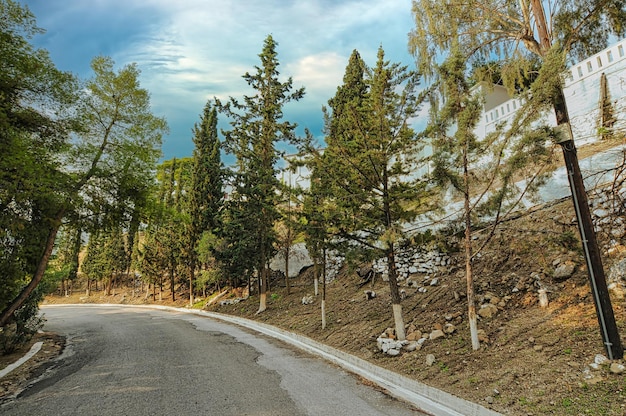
[{"x": 26, "y": 322}]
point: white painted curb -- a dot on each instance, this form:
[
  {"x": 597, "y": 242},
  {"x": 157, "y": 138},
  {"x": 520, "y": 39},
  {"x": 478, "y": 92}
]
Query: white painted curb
[
  {"x": 425, "y": 398},
  {"x": 33, "y": 350}
]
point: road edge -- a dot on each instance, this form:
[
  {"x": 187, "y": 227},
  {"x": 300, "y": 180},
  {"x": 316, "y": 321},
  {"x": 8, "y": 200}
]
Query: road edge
[{"x": 30, "y": 354}]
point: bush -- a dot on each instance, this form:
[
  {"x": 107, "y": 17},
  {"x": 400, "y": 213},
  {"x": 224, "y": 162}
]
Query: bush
[{"x": 24, "y": 326}]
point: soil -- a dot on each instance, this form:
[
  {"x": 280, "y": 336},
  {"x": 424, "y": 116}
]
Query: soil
[
  {"x": 23, "y": 376},
  {"x": 536, "y": 361}
]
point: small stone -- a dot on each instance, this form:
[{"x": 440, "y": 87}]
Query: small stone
[
  {"x": 482, "y": 336},
  {"x": 434, "y": 282},
  {"x": 412, "y": 346},
  {"x": 489, "y": 399},
  {"x": 538, "y": 348},
  {"x": 449, "y": 328},
  {"x": 391, "y": 333},
  {"x": 436, "y": 334},
  {"x": 600, "y": 359},
  {"x": 393, "y": 352},
  {"x": 487, "y": 310},
  {"x": 414, "y": 336},
  {"x": 617, "y": 368},
  {"x": 430, "y": 360},
  {"x": 564, "y": 270}
]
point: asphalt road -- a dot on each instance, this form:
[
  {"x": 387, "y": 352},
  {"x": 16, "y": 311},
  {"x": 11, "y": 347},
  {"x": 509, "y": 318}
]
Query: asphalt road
[{"x": 125, "y": 361}]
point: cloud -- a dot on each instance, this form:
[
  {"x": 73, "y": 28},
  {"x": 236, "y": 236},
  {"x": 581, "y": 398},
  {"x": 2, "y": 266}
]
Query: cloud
[{"x": 193, "y": 50}]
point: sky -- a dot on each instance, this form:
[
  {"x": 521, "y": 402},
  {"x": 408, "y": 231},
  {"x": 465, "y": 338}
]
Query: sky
[{"x": 190, "y": 51}]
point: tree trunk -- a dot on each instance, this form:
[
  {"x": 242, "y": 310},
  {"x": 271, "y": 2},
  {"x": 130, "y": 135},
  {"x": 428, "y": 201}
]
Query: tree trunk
[
  {"x": 173, "y": 283},
  {"x": 316, "y": 279},
  {"x": 192, "y": 267},
  {"x": 324, "y": 290},
  {"x": 287, "y": 268},
  {"x": 7, "y": 313},
  {"x": 395, "y": 294},
  {"x": 249, "y": 284},
  {"x": 263, "y": 280},
  {"x": 471, "y": 303}
]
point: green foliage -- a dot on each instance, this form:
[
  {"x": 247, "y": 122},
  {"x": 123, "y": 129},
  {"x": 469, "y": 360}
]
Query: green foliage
[
  {"x": 498, "y": 28},
  {"x": 257, "y": 127},
  {"x": 568, "y": 240},
  {"x": 35, "y": 122},
  {"x": 24, "y": 326},
  {"x": 365, "y": 173}
]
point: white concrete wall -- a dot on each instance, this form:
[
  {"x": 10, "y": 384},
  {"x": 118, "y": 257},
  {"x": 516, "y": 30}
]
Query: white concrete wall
[{"x": 582, "y": 94}]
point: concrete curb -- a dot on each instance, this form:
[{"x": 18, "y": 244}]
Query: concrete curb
[
  {"x": 425, "y": 398},
  {"x": 33, "y": 350}
]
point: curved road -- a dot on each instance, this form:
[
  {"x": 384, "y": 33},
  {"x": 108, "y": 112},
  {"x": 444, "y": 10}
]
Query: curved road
[{"x": 127, "y": 361}]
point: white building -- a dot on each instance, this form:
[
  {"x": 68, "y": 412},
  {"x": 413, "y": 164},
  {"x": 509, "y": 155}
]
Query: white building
[{"x": 583, "y": 94}]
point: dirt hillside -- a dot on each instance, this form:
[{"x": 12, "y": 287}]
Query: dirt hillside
[{"x": 533, "y": 361}]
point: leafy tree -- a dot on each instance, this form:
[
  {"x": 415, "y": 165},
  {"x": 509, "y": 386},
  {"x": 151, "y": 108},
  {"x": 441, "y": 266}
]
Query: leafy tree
[
  {"x": 164, "y": 250},
  {"x": 256, "y": 129},
  {"x": 515, "y": 31},
  {"x": 35, "y": 121},
  {"x": 118, "y": 144},
  {"x": 369, "y": 160}
]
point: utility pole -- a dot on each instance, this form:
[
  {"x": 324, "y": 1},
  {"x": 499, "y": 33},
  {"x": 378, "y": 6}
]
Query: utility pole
[{"x": 597, "y": 279}]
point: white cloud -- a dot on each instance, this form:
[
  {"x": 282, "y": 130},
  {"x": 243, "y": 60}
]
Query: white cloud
[
  {"x": 192, "y": 50},
  {"x": 319, "y": 73}
]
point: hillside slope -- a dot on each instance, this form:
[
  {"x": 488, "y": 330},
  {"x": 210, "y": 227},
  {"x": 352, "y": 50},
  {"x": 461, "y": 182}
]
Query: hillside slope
[{"x": 533, "y": 360}]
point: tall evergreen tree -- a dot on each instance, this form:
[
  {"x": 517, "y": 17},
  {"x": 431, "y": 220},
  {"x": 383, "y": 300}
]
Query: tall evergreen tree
[
  {"x": 369, "y": 160},
  {"x": 206, "y": 188},
  {"x": 257, "y": 127}
]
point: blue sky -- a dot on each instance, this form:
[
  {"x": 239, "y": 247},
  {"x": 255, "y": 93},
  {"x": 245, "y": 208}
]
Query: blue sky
[{"x": 190, "y": 51}]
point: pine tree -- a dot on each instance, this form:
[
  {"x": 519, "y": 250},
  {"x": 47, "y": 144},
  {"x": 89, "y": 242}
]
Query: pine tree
[
  {"x": 369, "y": 159},
  {"x": 256, "y": 129},
  {"x": 206, "y": 188}
]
